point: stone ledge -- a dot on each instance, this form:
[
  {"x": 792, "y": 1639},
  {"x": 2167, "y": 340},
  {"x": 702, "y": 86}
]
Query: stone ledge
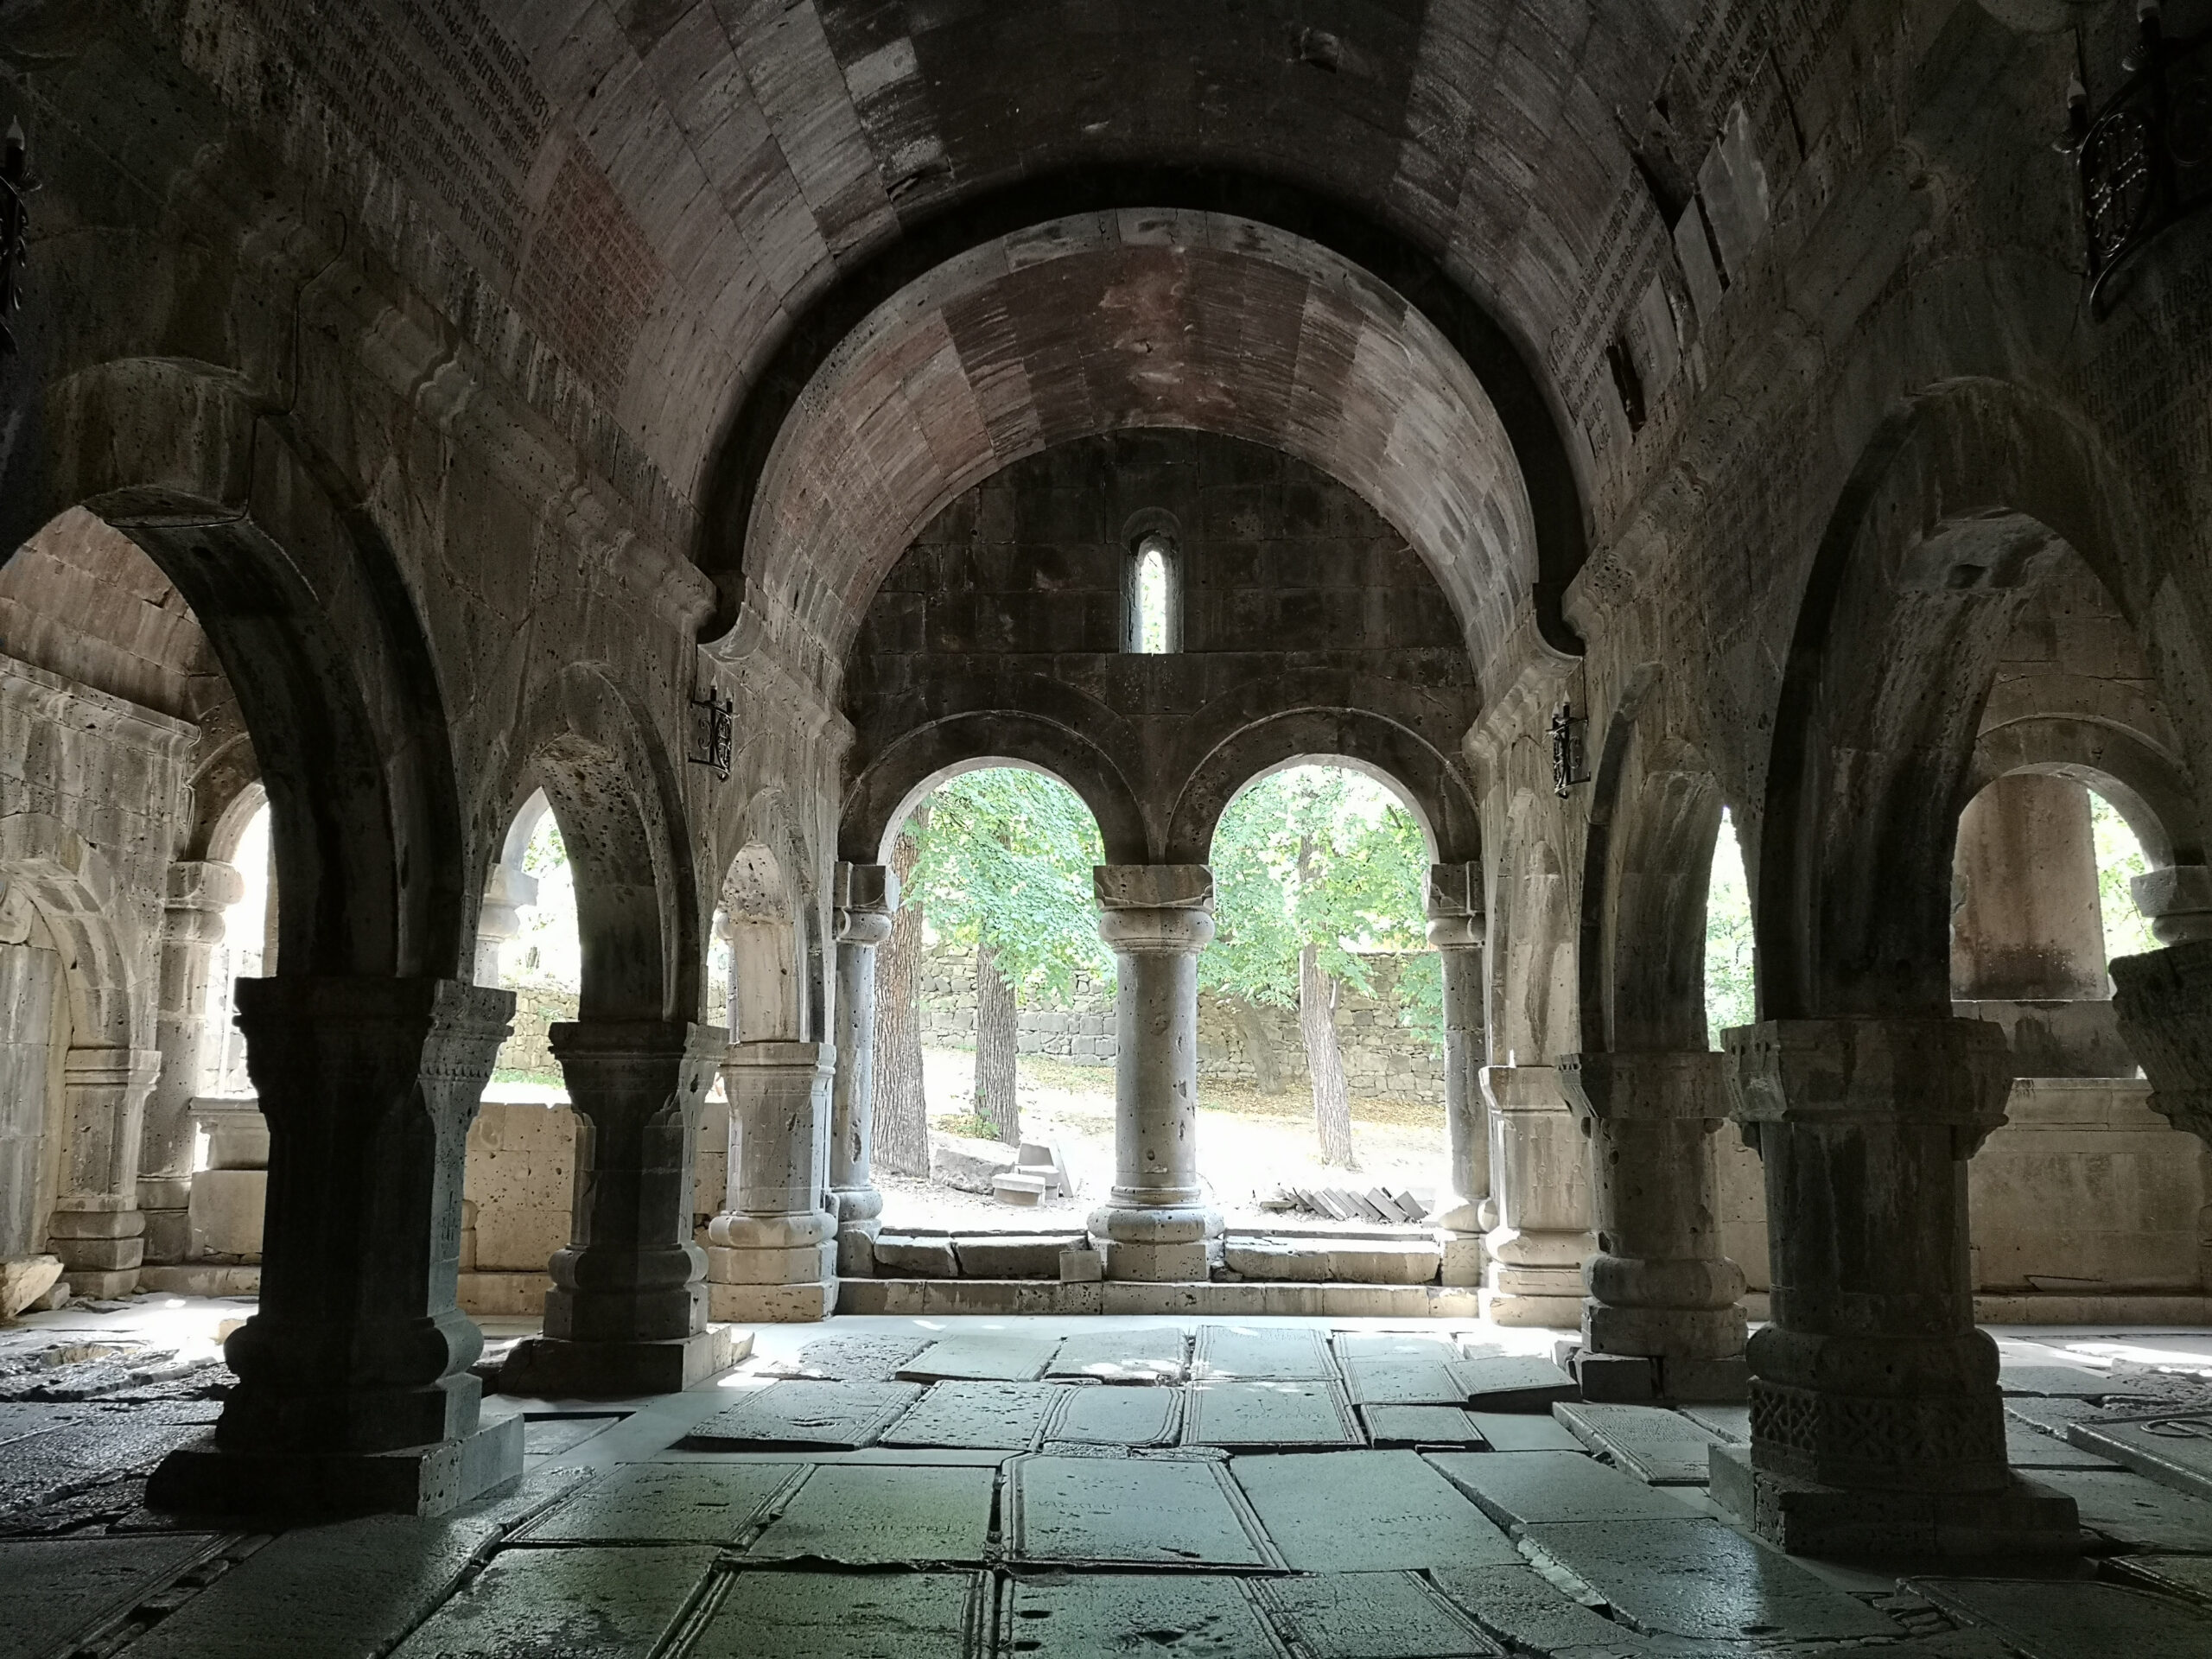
[
  {"x": 932, "y": 1297},
  {"x": 2120, "y": 1308},
  {"x": 203, "y": 1279},
  {"x": 503, "y": 1295}
]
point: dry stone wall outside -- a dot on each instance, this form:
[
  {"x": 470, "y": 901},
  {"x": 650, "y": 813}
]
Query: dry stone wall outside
[{"x": 1382, "y": 1059}]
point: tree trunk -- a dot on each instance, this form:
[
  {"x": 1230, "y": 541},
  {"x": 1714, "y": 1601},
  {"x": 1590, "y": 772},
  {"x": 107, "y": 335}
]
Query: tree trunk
[
  {"x": 1317, "y": 1024},
  {"x": 902, "y": 1117},
  {"x": 996, "y": 1025},
  {"x": 1259, "y": 1044}
]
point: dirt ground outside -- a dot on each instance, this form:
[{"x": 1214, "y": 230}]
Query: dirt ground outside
[{"x": 1249, "y": 1144}]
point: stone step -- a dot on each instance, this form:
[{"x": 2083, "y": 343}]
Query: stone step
[{"x": 932, "y": 1298}]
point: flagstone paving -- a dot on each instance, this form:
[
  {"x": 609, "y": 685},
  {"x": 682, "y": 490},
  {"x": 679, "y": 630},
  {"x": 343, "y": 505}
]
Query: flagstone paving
[{"x": 1035, "y": 1488}]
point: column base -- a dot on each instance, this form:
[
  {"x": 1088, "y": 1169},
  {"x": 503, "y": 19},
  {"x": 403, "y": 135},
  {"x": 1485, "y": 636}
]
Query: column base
[
  {"x": 1712, "y": 1333},
  {"x": 549, "y": 1368},
  {"x": 772, "y": 1304},
  {"x": 419, "y": 1480},
  {"x": 1519, "y": 1308},
  {"x": 860, "y": 1211},
  {"x": 1638, "y": 1379},
  {"x": 1169, "y": 1244},
  {"x": 1465, "y": 1258},
  {"x": 1804, "y": 1517}
]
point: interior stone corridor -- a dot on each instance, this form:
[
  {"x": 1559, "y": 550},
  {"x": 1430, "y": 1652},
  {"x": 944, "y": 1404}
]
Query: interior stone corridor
[{"x": 1256, "y": 1489}]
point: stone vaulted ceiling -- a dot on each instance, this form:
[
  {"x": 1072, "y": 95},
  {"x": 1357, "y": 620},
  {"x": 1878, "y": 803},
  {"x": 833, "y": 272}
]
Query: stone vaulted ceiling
[{"x": 663, "y": 188}]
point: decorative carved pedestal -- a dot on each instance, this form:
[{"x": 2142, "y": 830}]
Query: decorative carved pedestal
[
  {"x": 773, "y": 1253},
  {"x": 354, "y": 1391},
  {"x": 1875, "y": 1423},
  {"x": 1539, "y": 1200}
]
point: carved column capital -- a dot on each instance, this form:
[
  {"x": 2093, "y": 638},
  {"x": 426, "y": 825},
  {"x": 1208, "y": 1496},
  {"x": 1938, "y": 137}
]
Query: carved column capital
[
  {"x": 2163, "y": 999},
  {"x": 1929, "y": 1071},
  {"x": 1672, "y": 1086}
]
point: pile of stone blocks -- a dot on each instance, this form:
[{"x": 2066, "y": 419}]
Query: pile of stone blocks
[{"x": 1037, "y": 1175}]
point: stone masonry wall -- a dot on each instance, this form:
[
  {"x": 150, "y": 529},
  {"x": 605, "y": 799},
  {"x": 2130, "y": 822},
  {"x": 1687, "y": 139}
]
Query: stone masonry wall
[
  {"x": 1383, "y": 1060},
  {"x": 530, "y": 1048}
]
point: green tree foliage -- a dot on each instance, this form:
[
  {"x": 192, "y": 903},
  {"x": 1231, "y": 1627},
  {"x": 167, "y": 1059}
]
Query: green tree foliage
[
  {"x": 1320, "y": 855},
  {"x": 1728, "y": 993},
  {"x": 2120, "y": 857},
  {"x": 1005, "y": 864}
]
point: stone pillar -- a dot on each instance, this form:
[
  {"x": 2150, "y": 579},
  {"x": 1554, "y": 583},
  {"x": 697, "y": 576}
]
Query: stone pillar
[
  {"x": 1155, "y": 1225},
  {"x": 1662, "y": 1318},
  {"x": 2164, "y": 998},
  {"x": 774, "y": 1251},
  {"x": 192, "y": 926},
  {"x": 1456, "y": 933},
  {"x": 499, "y": 919},
  {"x": 627, "y": 1312},
  {"x": 354, "y": 1391},
  {"x": 1875, "y": 1423},
  {"x": 230, "y": 1197},
  {"x": 97, "y": 1228},
  {"x": 1539, "y": 1207},
  {"x": 2028, "y": 926},
  {"x": 866, "y": 895}
]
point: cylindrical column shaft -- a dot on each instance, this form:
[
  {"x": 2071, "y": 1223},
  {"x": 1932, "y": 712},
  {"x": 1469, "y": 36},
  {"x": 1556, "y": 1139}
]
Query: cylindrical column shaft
[
  {"x": 2027, "y": 926},
  {"x": 1540, "y": 1193},
  {"x": 869, "y": 894},
  {"x": 192, "y": 926},
  {"x": 1155, "y": 1224},
  {"x": 773, "y": 1252}
]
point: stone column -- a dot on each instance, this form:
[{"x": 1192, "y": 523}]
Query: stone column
[
  {"x": 1539, "y": 1207},
  {"x": 192, "y": 926},
  {"x": 774, "y": 1251},
  {"x": 1876, "y": 1424},
  {"x": 866, "y": 895},
  {"x": 97, "y": 1229},
  {"x": 499, "y": 919},
  {"x": 1456, "y": 933},
  {"x": 1154, "y": 1225},
  {"x": 354, "y": 1391},
  {"x": 627, "y": 1312},
  {"x": 2028, "y": 925},
  {"x": 1662, "y": 1318}
]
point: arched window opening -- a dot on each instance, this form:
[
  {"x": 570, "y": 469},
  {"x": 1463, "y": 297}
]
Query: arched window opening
[
  {"x": 1729, "y": 952},
  {"x": 247, "y": 947},
  {"x": 541, "y": 963},
  {"x": 2119, "y": 861},
  {"x": 1154, "y": 599}
]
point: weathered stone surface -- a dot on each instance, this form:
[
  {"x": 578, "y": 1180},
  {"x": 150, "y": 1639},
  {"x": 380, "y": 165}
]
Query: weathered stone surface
[
  {"x": 869, "y": 1515},
  {"x": 1267, "y": 1415},
  {"x": 2028, "y": 1448},
  {"x": 848, "y": 1616},
  {"x": 1371, "y": 1616},
  {"x": 802, "y": 1412},
  {"x": 1392, "y": 1381},
  {"x": 1419, "y": 1426},
  {"x": 1663, "y": 1448},
  {"x": 666, "y": 1502},
  {"x": 2074, "y": 1621},
  {"x": 854, "y": 1358},
  {"x": 1352, "y": 1345},
  {"x": 1118, "y": 1416},
  {"x": 1250, "y": 1353},
  {"x": 59, "y": 1588},
  {"x": 1699, "y": 1579},
  {"x": 1514, "y": 1431},
  {"x": 984, "y": 1355},
  {"x": 968, "y": 1165},
  {"x": 1512, "y": 1382},
  {"x": 592, "y": 1603},
  {"x": 1529, "y": 1488},
  {"x": 1013, "y": 1255},
  {"x": 1310, "y": 1261},
  {"x": 2059, "y": 1382},
  {"x": 1130, "y": 1354},
  {"x": 1365, "y": 1512},
  {"x": 1519, "y": 1605},
  {"x": 2133, "y": 1511},
  {"x": 1114, "y": 1613},
  {"x": 1069, "y": 1509},
  {"x": 23, "y": 1279},
  {"x": 1006, "y": 1416}
]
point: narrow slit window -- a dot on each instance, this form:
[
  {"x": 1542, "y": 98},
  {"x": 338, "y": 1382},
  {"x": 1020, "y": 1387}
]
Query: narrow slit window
[{"x": 1152, "y": 612}]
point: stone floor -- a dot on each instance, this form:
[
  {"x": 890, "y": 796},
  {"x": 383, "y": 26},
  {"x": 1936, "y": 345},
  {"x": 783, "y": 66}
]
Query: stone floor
[{"x": 1062, "y": 1487}]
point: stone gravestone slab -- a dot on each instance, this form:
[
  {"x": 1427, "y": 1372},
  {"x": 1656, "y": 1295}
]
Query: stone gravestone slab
[
  {"x": 2134, "y": 1511},
  {"x": 1371, "y": 1616},
  {"x": 1699, "y": 1579},
  {"x": 2175, "y": 1452},
  {"x": 1203, "y": 1616},
  {"x": 667, "y": 1502},
  {"x": 982, "y": 1356},
  {"x": 1394, "y": 1344},
  {"x": 1420, "y": 1426},
  {"x": 1269, "y": 1414},
  {"x": 1135, "y": 1510},
  {"x": 850, "y": 1359},
  {"x": 1658, "y": 1446},
  {"x": 1513, "y": 1382},
  {"x": 849, "y": 1615},
  {"x": 583, "y": 1602},
  {"x": 2028, "y": 1448},
  {"x": 1135, "y": 1353},
  {"x": 58, "y": 1586},
  {"x": 1516, "y": 1431},
  {"x": 1109, "y": 1416},
  {"x": 2072, "y": 1619},
  {"x": 1526, "y": 1488},
  {"x": 979, "y": 1416},
  {"x": 1731, "y": 1423},
  {"x": 1366, "y": 1511},
  {"x": 831, "y": 1416},
  {"x": 1262, "y": 1353},
  {"x": 1520, "y": 1607},
  {"x": 1395, "y": 1380},
  {"x": 880, "y": 1515}
]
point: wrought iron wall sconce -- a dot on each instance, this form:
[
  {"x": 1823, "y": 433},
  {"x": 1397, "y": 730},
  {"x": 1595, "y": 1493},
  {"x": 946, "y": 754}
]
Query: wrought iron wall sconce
[
  {"x": 2145, "y": 158},
  {"x": 714, "y": 742},
  {"x": 1566, "y": 751}
]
